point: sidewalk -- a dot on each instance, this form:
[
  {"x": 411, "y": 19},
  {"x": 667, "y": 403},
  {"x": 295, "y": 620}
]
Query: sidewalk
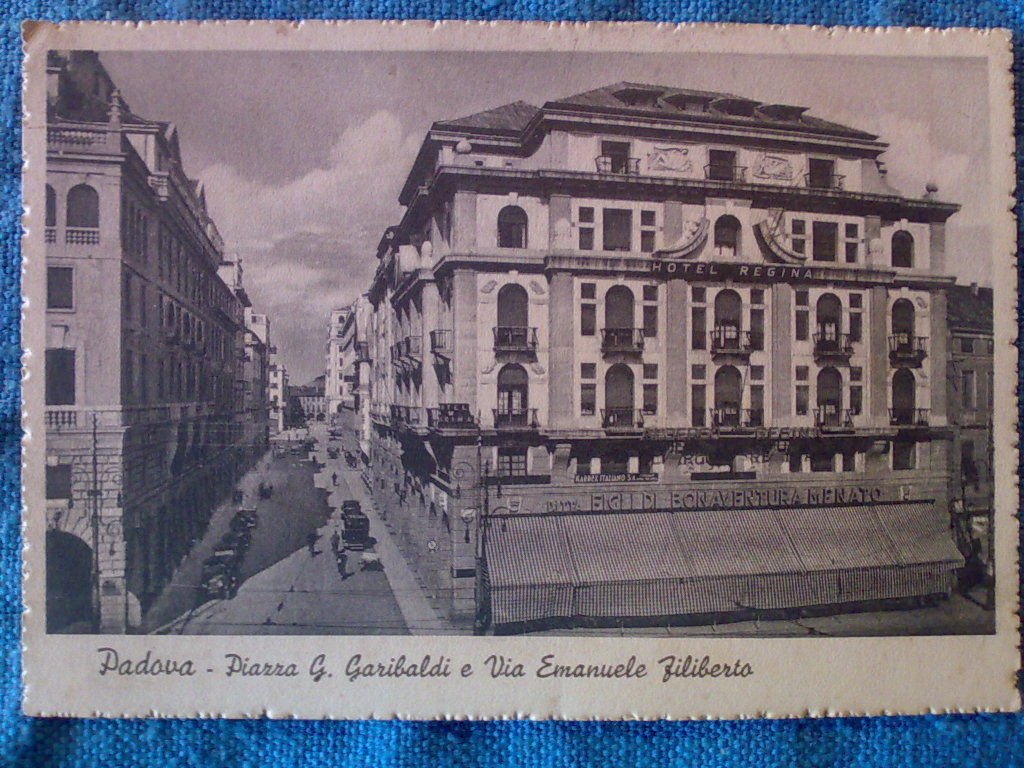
[{"x": 420, "y": 617}]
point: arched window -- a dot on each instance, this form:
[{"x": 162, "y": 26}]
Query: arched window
[
  {"x": 83, "y": 207},
  {"x": 728, "y": 320},
  {"x": 728, "y": 396},
  {"x": 619, "y": 332},
  {"x": 512, "y": 331},
  {"x": 51, "y": 207},
  {"x": 618, "y": 397},
  {"x": 512, "y": 222},
  {"x": 903, "y": 249},
  {"x": 904, "y": 397},
  {"x": 830, "y": 397},
  {"x": 829, "y": 313},
  {"x": 727, "y": 236},
  {"x": 903, "y": 325},
  {"x": 513, "y": 396}
]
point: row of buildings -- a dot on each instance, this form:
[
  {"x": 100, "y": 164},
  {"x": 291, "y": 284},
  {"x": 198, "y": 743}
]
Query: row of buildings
[
  {"x": 158, "y": 370},
  {"x": 645, "y": 352}
]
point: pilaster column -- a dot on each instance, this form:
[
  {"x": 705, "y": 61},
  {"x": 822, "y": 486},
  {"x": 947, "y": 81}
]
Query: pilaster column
[{"x": 561, "y": 379}]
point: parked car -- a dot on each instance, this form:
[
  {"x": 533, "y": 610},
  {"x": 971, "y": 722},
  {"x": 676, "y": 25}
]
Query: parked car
[
  {"x": 245, "y": 519},
  {"x": 356, "y": 534},
  {"x": 266, "y": 490},
  {"x": 350, "y": 506},
  {"x": 219, "y": 578}
]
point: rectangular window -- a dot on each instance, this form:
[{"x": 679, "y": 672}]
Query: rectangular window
[
  {"x": 648, "y": 218},
  {"x": 698, "y": 372},
  {"x": 698, "y": 405},
  {"x": 967, "y": 390},
  {"x": 756, "y": 406},
  {"x": 802, "y": 324},
  {"x": 904, "y": 454},
  {"x": 127, "y": 295},
  {"x": 58, "y": 482},
  {"x": 852, "y": 248},
  {"x": 721, "y": 165},
  {"x": 588, "y": 290},
  {"x": 60, "y": 292},
  {"x": 700, "y": 294},
  {"x": 588, "y": 399},
  {"x": 969, "y": 474},
  {"x": 588, "y": 319},
  {"x": 757, "y": 372},
  {"x": 650, "y": 370},
  {"x": 967, "y": 345},
  {"x": 802, "y": 399},
  {"x": 856, "y": 373},
  {"x": 617, "y": 156},
  {"x": 856, "y": 326},
  {"x": 586, "y": 229},
  {"x": 798, "y": 236},
  {"x": 142, "y": 304},
  {"x": 647, "y": 240},
  {"x": 803, "y": 298},
  {"x": 60, "y": 377},
  {"x": 823, "y": 234},
  {"x": 617, "y": 230},
  {"x": 648, "y": 231},
  {"x": 757, "y": 329},
  {"x": 588, "y": 370},
  {"x": 757, "y": 296},
  {"x": 821, "y": 173},
  {"x": 650, "y": 320},
  {"x": 801, "y": 373},
  {"x": 511, "y": 462},
  {"x": 650, "y": 399},
  {"x": 650, "y": 293},
  {"x": 822, "y": 462},
  {"x": 856, "y": 400},
  {"x": 856, "y": 301},
  {"x": 697, "y": 330}
]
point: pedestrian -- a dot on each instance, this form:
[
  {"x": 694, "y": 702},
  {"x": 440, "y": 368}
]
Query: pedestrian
[
  {"x": 334, "y": 477},
  {"x": 311, "y": 543},
  {"x": 341, "y": 558},
  {"x": 335, "y": 542}
]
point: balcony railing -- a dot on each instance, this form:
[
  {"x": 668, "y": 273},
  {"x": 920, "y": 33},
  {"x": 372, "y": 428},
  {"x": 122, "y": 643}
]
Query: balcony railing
[
  {"x": 82, "y": 236},
  {"x": 728, "y": 339},
  {"x": 441, "y": 342},
  {"x": 451, "y": 416},
  {"x": 734, "y": 417},
  {"x": 406, "y": 415},
  {"x": 76, "y": 138},
  {"x": 622, "y": 340},
  {"x": 622, "y": 418},
  {"x": 832, "y": 416},
  {"x": 908, "y": 417},
  {"x": 627, "y": 166},
  {"x": 830, "y": 344},
  {"x": 824, "y": 180},
  {"x": 515, "y": 418},
  {"x": 905, "y": 349},
  {"x": 51, "y": 234},
  {"x": 723, "y": 172},
  {"x": 509, "y": 338}
]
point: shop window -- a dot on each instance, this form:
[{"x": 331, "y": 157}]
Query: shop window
[
  {"x": 60, "y": 377},
  {"x": 617, "y": 229},
  {"x": 512, "y": 223},
  {"x": 904, "y": 454},
  {"x": 58, "y": 482},
  {"x": 903, "y": 250},
  {"x": 60, "y": 288},
  {"x": 822, "y": 462}
]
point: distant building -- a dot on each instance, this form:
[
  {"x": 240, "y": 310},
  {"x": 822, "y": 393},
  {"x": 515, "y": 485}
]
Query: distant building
[
  {"x": 308, "y": 400},
  {"x": 278, "y": 392},
  {"x": 144, "y": 340},
  {"x": 334, "y": 384}
]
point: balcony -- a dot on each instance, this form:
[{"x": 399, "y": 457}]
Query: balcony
[
  {"x": 833, "y": 417},
  {"x": 451, "y": 416},
  {"x": 51, "y": 234},
  {"x": 730, "y": 340},
  {"x": 515, "y": 418},
  {"x": 824, "y": 180},
  {"x": 622, "y": 419},
  {"x": 626, "y": 341},
  {"x": 722, "y": 172},
  {"x": 58, "y": 418},
  {"x": 906, "y": 350},
  {"x": 829, "y": 345},
  {"x": 441, "y": 344},
  {"x": 618, "y": 164},
  {"x": 733, "y": 417},
  {"x": 509, "y": 339},
  {"x": 404, "y": 416},
  {"x": 908, "y": 417},
  {"x": 82, "y": 236}
]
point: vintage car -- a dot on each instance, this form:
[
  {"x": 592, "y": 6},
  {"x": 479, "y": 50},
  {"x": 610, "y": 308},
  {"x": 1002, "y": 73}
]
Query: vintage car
[
  {"x": 245, "y": 519},
  {"x": 356, "y": 534},
  {"x": 219, "y": 578}
]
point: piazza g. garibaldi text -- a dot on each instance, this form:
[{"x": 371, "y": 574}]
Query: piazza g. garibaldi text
[{"x": 426, "y": 667}]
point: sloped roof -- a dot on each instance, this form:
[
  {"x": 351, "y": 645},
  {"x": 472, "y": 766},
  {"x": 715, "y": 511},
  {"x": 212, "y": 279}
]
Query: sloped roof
[
  {"x": 509, "y": 118},
  {"x": 969, "y": 308}
]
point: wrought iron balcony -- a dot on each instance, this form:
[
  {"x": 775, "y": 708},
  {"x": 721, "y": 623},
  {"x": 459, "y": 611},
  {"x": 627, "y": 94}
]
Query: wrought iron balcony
[
  {"x": 730, "y": 340},
  {"x": 833, "y": 417},
  {"x": 907, "y": 350},
  {"x": 725, "y": 172},
  {"x": 828, "y": 344},
  {"x": 824, "y": 180},
  {"x": 515, "y": 418},
  {"x": 412, "y": 347},
  {"x": 441, "y": 343},
  {"x": 622, "y": 418},
  {"x": 908, "y": 417},
  {"x": 622, "y": 340},
  {"x": 734, "y": 417},
  {"x": 406, "y": 416},
  {"x": 515, "y": 338},
  {"x": 451, "y": 416},
  {"x": 626, "y": 166}
]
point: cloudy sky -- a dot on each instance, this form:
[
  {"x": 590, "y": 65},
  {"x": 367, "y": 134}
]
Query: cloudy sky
[{"x": 303, "y": 154}]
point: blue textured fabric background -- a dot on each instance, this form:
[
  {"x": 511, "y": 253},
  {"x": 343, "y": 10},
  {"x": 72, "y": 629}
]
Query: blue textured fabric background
[{"x": 996, "y": 740}]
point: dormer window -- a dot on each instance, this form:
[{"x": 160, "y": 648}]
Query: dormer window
[{"x": 638, "y": 97}]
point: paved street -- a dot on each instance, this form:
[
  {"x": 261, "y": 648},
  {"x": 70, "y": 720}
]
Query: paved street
[{"x": 286, "y": 589}]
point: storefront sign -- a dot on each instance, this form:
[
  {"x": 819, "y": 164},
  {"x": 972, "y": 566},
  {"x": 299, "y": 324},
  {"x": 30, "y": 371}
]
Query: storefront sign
[
  {"x": 735, "y": 498},
  {"x": 771, "y": 434},
  {"x": 618, "y": 477}
]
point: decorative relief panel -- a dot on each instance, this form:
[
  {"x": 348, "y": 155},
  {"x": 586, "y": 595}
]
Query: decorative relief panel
[
  {"x": 670, "y": 160},
  {"x": 773, "y": 167}
]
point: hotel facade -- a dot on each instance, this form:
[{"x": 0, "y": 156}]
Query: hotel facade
[{"x": 646, "y": 353}]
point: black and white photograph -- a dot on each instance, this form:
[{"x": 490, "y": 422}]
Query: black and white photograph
[{"x": 551, "y": 344}]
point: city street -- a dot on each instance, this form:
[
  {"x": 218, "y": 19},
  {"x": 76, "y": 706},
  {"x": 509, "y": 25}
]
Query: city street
[{"x": 286, "y": 588}]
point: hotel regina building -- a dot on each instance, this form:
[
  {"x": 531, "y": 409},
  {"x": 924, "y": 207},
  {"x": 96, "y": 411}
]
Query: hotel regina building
[{"x": 645, "y": 353}]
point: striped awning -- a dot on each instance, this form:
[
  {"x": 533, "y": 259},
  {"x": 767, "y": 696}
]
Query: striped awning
[{"x": 650, "y": 564}]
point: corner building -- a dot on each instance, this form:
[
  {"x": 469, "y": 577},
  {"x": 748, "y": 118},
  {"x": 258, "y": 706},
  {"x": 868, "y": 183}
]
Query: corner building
[{"x": 645, "y": 353}]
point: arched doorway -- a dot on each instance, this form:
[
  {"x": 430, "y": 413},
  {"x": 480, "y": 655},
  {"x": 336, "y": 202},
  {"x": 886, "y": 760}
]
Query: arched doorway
[
  {"x": 904, "y": 397},
  {"x": 512, "y": 331},
  {"x": 618, "y": 397},
  {"x": 69, "y": 582},
  {"x": 513, "y": 396},
  {"x": 512, "y": 224},
  {"x": 727, "y": 237},
  {"x": 619, "y": 317},
  {"x": 728, "y": 320},
  {"x": 728, "y": 396},
  {"x": 830, "y": 398},
  {"x": 829, "y": 318}
]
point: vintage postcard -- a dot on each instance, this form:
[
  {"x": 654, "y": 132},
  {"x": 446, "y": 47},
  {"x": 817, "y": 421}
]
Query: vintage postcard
[{"x": 514, "y": 370}]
